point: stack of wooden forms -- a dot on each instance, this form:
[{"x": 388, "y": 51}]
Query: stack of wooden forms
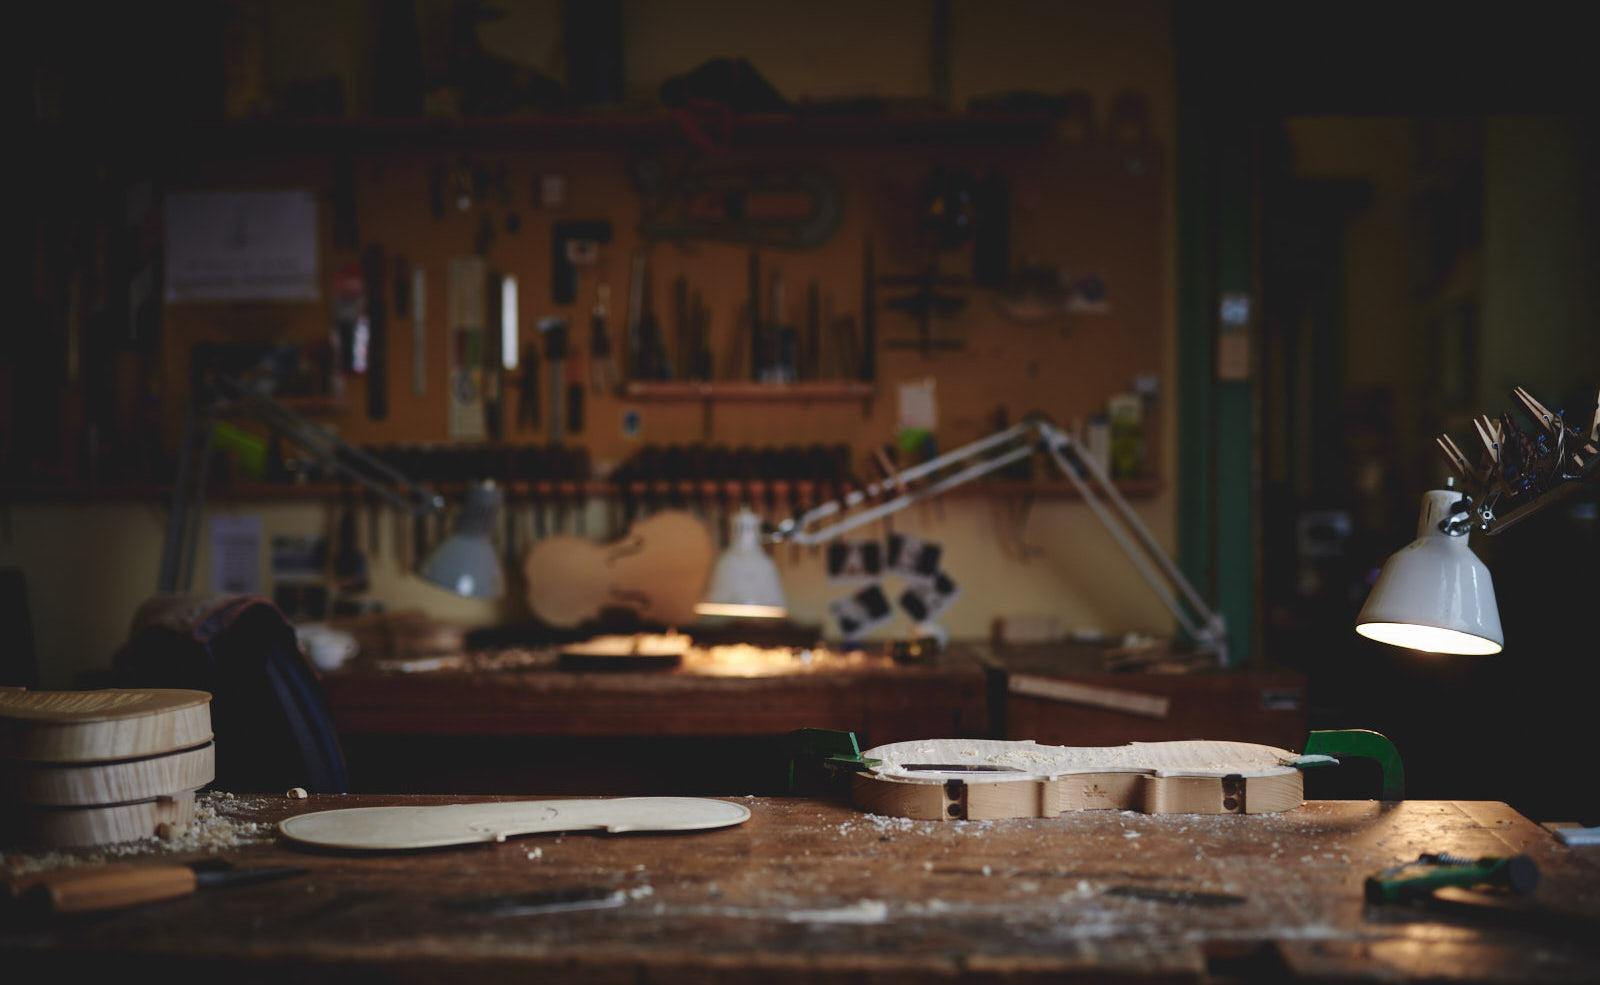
[{"x": 82, "y": 768}]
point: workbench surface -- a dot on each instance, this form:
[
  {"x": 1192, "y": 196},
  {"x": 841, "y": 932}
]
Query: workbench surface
[{"x": 812, "y": 889}]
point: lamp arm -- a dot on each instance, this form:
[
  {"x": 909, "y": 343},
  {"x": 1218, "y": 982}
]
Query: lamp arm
[
  {"x": 799, "y": 529},
  {"x": 995, "y": 452},
  {"x": 334, "y": 452},
  {"x": 1204, "y": 626},
  {"x": 331, "y": 451}
]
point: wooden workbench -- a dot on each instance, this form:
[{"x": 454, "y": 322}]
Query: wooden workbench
[
  {"x": 534, "y": 726},
  {"x": 538, "y": 727},
  {"x": 813, "y": 890}
]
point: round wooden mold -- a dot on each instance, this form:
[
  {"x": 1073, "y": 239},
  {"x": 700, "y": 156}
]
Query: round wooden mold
[
  {"x": 110, "y": 724},
  {"x": 95, "y": 784},
  {"x": 84, "y": 768},
  {"x": 83, "y": 827}
]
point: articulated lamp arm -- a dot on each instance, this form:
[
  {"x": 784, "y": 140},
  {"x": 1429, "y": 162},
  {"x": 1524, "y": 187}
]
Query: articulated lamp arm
[
  {"x": 997, "y": 451},
  {"x": 330, "y": 451}
]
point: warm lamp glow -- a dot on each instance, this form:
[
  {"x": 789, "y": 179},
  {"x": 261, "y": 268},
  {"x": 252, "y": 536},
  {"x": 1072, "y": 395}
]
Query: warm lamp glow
[
  {"x": 1430, "y": 639},
  {"x": 744, "y": 584},
  {"x": 738, "y": 611}
]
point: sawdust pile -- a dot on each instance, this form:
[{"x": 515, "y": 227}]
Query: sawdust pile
[{"x": 212, "y": 830}]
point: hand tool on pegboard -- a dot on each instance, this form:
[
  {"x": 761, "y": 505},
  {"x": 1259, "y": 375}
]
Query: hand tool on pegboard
[
  {"x": 528, "y": 410},
  {"x": 811, "y": 363},
  {"x": 866, "y": 357},
  {"x": 575, "y": 387},
  {"x": 554, "y": 331},
  {"x": 419, "y": 332},
  {"x": 756, "y": 322},
  {"x": 602, "y": 364},
  {"x": 633, "y": 349},
  {"x": 574, "y": 243},
  {"x": 701, "y": 364},
  {"x": 501, "y": 329},
  {"x": 653, "y": 362}
]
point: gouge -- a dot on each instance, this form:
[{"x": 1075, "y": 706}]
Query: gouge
[{"x": 108, "y": 887}]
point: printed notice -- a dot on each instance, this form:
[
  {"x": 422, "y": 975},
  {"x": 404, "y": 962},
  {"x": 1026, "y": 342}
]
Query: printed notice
[
  {"x": 236, "y": 554},
  {"x": 241, "y": 246}
]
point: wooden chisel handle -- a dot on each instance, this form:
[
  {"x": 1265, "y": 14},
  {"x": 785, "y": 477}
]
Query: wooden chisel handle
[{"x": 79, "y": 891}]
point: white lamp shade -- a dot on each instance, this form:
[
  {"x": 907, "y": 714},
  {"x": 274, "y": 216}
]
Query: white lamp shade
[
  {"x": 466, "y": 562},
  {"x": 744, "y": 583},
  {"x": 1434, "y": 594}
]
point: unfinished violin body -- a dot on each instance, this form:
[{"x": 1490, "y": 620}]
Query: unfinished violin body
[
  {"x": 658, "y": 570},
  {"x": 978, "y": 779}
]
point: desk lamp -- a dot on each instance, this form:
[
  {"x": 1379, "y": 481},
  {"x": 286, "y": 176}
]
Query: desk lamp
[
  {"x": 1434, "y": 594},
  {"x": 466, "y": 562},
  {"x": 744, "y": 582}
]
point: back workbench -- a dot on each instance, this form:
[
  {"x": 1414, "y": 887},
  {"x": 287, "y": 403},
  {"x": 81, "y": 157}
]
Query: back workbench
[{"x": 811, "y": 889}]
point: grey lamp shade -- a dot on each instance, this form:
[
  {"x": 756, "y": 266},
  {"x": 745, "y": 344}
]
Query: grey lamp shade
[
  {"x": 1434, "y": 594},
  {"x": 744, "y": 582},
  {"x": 466, "y": 562}
]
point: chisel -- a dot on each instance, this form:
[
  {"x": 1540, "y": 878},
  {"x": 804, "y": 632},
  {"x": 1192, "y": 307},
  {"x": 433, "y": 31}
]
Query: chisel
[
  {"x": 119, "y": 884},
  {"x": 374, "y": 275},
  {"x": 419, "y": 331}
]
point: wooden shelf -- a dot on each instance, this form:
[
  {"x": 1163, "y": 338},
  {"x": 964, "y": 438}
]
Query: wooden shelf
[
  {"x": 688, "y": 489},
  {"x": 569, "y": 130},
  {"x": 741, "y": 390}
]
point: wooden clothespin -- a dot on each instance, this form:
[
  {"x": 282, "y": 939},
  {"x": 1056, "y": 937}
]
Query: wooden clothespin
[
  {"x": 1453, "y": 456},
  {"x": 1489, "y": 435},
  {"x": 1537, "y": 411}
]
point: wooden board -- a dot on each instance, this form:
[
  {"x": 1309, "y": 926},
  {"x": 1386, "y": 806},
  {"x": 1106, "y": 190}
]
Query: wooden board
[
  {"x": 976, "y": 779},
  {"x": 89, "y": 784},
  {"x": 81, "y": 827},
  {"x": 101, "y": 725},
  {"x": 409, "y": 828}
]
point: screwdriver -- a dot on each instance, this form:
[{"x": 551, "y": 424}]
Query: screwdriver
[{"x": 600, "y": 362}]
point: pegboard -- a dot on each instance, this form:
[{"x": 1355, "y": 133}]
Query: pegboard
[{"x": 1087, "y": 209}]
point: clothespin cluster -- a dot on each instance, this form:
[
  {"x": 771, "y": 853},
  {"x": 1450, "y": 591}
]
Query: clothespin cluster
[{"x": 1519, "y": 471}]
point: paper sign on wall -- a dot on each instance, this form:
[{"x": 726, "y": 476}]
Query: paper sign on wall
[
  {"x": 236, "y": 554},
  {"x": 241, "y": 246}
]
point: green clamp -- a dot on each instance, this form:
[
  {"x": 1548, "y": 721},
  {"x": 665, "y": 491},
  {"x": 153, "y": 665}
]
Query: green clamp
[
  {"x": 1331, "y": 744},
  {"x": 833, "y": 749}
]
